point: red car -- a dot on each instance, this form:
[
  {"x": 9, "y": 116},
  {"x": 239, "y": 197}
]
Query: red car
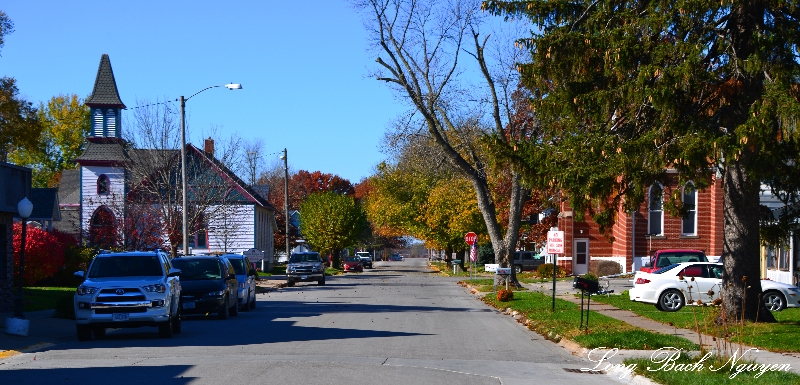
[{"x": 352, "y": 264}]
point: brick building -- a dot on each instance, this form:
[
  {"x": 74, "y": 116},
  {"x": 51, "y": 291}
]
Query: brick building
[{"x": 636, "y": 235}]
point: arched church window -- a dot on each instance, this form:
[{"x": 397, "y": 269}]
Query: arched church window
[{"x": 102, "y": 185}]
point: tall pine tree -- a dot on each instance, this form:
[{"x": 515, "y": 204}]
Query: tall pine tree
[{"x": 629, "y": 89}]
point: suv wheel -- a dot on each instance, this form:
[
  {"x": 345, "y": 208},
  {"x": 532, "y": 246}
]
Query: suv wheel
[
  {"x": 518, "y": 269},
  {"x": 321, "y": 281},
  {"x": 165, "y": 329},
  {"x": 235, "y": 307},
  {"x": 223, "y": 309},
  {"x": 176, "y": 322},
  {"x": 246, "y": 303},
  {"x": 289, "y": 283},
  {"x": 253, "y": 303},
  {"x": 84, "y": 332}
]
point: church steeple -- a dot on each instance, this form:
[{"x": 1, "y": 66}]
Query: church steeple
[{"x": 104, "y": 103}]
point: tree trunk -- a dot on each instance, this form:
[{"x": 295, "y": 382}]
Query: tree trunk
[
  {"x": 741, "y": 281},
  {"x": 335, "y": 260}
]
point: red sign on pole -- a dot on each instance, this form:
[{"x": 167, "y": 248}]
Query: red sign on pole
[
  {"x": 470, "y": 238},
  {"x": 555, "y": 242}
]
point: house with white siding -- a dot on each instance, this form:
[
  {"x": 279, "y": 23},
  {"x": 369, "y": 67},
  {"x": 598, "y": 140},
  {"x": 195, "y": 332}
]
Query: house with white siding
[{"x": 117, "y": 206}]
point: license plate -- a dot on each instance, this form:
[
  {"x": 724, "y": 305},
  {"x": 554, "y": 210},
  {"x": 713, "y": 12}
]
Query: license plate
[
  {"x": 188, "y": 305},
  {"x": 119, "y": 317},
  {"x": 303, "y": 277}
]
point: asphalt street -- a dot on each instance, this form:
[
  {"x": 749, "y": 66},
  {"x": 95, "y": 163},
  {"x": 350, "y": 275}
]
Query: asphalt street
[{"x": 396, "y": 323}]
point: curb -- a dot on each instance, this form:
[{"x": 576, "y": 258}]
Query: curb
[{"x": 569, "y": 345}]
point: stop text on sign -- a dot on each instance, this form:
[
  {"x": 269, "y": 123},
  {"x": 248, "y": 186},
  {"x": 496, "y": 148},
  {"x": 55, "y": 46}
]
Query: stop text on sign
[{"x": 470, "y": 238}]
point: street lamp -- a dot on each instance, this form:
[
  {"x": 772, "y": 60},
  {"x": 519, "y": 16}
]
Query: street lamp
[
  {"x": 24, "y": 207},
  {"x": 183, "y": 157},
  {"x": 285, "y": 159}
]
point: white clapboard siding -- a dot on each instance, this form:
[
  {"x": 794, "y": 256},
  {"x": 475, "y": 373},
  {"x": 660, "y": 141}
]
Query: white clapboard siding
[
  {"x": 230, "y": 228},
  {"x": 90, "y": 200}
]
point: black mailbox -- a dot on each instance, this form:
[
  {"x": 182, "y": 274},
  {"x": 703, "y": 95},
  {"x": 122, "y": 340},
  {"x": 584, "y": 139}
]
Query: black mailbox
[{"x": 586, "y": 285}]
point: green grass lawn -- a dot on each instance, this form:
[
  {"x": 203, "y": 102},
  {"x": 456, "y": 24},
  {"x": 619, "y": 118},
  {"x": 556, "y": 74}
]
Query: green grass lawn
[
  {"x": 565, "y": 322},
  {"x": 44, "y": 298},
  {"x": 782, "y": 336}
]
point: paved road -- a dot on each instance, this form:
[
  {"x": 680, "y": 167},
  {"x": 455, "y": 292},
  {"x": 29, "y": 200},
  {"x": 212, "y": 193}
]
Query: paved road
[{"x": 395, "y": 323}]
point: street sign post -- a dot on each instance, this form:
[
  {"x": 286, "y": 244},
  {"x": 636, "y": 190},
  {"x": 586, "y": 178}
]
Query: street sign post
[
  {"x": 471, "y": 238},
  {"x": 555, "y": 246},
  {"x": 254, "y": 255}
]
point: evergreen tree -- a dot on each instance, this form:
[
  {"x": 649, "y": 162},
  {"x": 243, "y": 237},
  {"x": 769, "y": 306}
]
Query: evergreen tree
[{"x": 627, "y": 90}]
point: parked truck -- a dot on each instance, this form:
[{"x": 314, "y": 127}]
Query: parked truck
[{"x": 666, "y": 257}]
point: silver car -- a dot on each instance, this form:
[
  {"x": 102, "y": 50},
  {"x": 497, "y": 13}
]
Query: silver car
[{"x": 247, "y": 276}]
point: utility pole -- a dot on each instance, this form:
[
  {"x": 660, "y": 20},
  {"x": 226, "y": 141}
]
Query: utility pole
[{"x": 286, "y": 197}]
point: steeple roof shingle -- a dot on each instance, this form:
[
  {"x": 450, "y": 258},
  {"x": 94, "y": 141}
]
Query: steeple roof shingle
[{"x": 105, "y": 86}]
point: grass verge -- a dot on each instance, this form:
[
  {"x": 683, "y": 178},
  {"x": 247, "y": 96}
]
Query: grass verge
[
  {"x": 781, "y": 336},
  {"x": 44, "y": 298},
  {"x": 565, "y": 322}
]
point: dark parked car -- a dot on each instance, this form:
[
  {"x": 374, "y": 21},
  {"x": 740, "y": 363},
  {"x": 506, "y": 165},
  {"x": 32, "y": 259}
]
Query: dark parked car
[
  {"x": 527, "y": 261},
  {"x": 208, "y": 284},
  {"x": 305, "y": 267},
  {"x": 352, "y": 264}
]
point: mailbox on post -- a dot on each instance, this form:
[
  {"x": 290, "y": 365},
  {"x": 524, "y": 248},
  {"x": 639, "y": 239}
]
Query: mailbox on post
[
  {"x": 455, "y": 262},
  {"x": 586, "y": 285},
  {"x": 503, "y": 273}
]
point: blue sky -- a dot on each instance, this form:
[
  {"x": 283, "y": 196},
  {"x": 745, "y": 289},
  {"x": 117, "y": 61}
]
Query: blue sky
[{"x": 303, "y": 67}]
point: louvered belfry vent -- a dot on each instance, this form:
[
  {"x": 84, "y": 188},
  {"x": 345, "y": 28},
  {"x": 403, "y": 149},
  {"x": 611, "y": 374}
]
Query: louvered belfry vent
[{"x": 105, "y": 103}]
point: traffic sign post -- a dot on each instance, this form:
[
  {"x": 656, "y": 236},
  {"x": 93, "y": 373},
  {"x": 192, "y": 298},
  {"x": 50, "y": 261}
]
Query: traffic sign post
[
  {"x": 471, "y": 238},
  {"x": 555, "y": 246}
]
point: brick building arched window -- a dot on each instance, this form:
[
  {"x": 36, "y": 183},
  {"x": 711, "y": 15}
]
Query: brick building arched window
[{"x": 655, "y": 210}]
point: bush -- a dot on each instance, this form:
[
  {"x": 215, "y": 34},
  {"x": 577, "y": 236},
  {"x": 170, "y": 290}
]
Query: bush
[
  {"x": 546, "y": 271},
  {"x": 504, "y": 295},
  {"x": 64, "y": 307},
  {"x": 44, "y": 252},
  {"x": 603, "y": 268},
  {"x": 589, "y": 277}
]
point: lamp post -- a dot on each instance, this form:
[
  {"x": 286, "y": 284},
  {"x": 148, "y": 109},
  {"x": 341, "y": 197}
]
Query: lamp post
[
  {"x": 285, "y": 159},
  {"x": 183, "y": 159},
  {"x": 24, "y": 207}
]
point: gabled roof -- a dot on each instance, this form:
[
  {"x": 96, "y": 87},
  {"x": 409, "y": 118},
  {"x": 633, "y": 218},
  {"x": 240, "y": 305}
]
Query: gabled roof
[
  {"x": 45, "y": 204},
  {"x": 226, "y": 173},
  {"x": 249, "y": 194},
  {"x": 105, "y": 86},
  {"x": 69, "y": 187}
]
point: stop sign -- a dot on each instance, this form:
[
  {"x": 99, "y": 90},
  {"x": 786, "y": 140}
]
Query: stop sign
[{"x": 470, "y": 238}]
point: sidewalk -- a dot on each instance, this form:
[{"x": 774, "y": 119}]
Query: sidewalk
[
  {"x": 44, "y": 332},
  {"x": 565, "y": 291}
]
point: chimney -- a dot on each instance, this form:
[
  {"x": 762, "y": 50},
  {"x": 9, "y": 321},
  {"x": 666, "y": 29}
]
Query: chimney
[{"x": 209, "y": 146}]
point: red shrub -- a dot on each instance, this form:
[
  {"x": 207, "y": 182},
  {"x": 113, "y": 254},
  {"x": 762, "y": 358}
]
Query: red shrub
[
  {"x": 504, "y": 295},
  {"x": 44, "y": 252}
]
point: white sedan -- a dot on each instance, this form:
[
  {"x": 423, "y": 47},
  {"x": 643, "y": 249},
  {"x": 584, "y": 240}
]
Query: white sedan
[{"x": 700, "y": 281}]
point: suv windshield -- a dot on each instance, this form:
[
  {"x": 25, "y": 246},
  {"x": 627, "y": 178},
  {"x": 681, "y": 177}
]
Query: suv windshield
[
  {"x": 126, "y": 266},
  {"x": 238, "y": 265},
  {"x": 295, "y": 258},
  {"x": 198, "y": 269}
]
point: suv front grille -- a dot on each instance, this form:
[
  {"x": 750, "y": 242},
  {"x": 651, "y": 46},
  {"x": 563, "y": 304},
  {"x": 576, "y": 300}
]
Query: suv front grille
[{"x": 122, "y": 294}]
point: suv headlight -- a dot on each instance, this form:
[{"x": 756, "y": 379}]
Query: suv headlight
[
  {"x": 157, "y": 288},
  {"x": 216, "y": 293},
  {"x": 86, "y": 290},
  {"x": 290, "y": 269}
]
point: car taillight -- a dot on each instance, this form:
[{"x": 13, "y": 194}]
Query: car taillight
[{"x": 642, "y": 281}]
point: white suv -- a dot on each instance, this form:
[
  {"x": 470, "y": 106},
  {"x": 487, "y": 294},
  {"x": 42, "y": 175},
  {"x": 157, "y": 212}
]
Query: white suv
[{"x": 128, "y": 289}]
